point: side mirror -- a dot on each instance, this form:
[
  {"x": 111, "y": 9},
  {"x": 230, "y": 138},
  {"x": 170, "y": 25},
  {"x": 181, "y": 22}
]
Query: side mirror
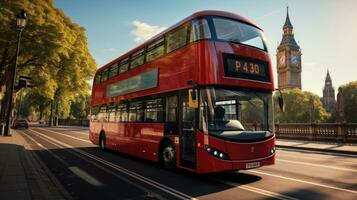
[
  {"x": 281, "y": 101},
  {"x": 192, "y": 98}
]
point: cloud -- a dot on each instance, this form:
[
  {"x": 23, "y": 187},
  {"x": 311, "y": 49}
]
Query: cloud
[{"x": 143, "y": 31}]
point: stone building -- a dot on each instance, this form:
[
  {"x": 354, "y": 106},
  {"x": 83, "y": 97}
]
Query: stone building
[
  {"x": 328, "y": 97},
  {"x": 288, "y": 58}
]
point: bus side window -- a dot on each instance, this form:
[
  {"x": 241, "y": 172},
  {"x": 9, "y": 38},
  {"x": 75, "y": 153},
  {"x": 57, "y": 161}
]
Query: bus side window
[
  {"x": 153, "y": 110},
  {"x": 104, "y": 75},
  {"x": 171, "y": 125},
  {"x": 136, "y": 112},
  {"x": 97, "y": 78},
  {"x": 200, "y": 30},
  {"x": 137, "y": 59},
  {"x": 124, "y": 65},
  {"x": 176, "y": 39},
  {"x": 113, "y": 70},
  {"x": 111, "y": 113},
  {"x": 122, "y": 112},
  {"x": 155, "y": 50},
  {"x": 102, "y": 116}
]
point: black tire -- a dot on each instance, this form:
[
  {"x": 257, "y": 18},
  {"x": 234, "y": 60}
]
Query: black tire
[
  {"x": 168, "y": 156},
  {"x": 102, "y": 141}
]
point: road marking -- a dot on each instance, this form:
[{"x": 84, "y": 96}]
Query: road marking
[
  {"x": 303, "y": 181},
  {"x": 244, "y": 187},
  {"x": 85, "y": 176},
  {"x": 317, "y": 165},
  {"x": 87, "y": 141},
  {"x": 134, "y": 175},
  {"x": 63, "y": 129},
  {"x": 258, "y": 190},
  {"x": 148, "y": 192}
]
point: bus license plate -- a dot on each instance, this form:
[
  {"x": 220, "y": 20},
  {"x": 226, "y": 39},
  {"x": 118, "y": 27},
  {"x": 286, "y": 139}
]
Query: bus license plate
[{"x": 252, "y": 165}]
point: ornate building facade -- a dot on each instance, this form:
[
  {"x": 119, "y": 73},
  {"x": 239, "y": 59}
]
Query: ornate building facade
[
  {"x": 328, "y": 97},
  {"x": 288, "y": 58}
]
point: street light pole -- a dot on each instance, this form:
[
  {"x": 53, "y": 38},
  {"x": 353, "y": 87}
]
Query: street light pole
[{"x": 21, "y": 23}]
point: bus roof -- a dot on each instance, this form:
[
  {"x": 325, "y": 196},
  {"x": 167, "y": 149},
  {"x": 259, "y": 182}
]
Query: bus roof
[{"x": 187, "y": 19}]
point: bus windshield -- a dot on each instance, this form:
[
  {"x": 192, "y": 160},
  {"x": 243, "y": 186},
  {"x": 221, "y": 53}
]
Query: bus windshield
[
  {"x": 226, "y": 111},
  {"x": 237, "y": 32}
]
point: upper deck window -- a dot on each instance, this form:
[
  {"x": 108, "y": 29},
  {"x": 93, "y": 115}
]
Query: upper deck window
[
  {"x": 104, "y": 75},
  {"x": 124, "y": 65},
  {"x": 113, "y": 70},
  {"x": 155, "y": 50},
  {"x": 200, "y": 30},
  {"x": 237, "y": 32},
  {"x": 137, "y": 59},
  {"x": 97, "y": 78},
  {"x": 176, "y": 38}
]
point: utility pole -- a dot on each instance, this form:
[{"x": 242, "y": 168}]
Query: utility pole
[{"x": 21, "y": 23}]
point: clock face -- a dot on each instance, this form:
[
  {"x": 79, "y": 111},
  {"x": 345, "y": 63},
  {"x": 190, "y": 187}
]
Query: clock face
[
  {"x": 294, "y": 60},
  {"x": 282, "y": 60}
]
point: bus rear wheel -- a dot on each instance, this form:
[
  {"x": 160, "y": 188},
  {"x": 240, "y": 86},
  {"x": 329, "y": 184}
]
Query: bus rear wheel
[
  {"x": 102, "y": 141},
  {"x": 168, "y": 156}
]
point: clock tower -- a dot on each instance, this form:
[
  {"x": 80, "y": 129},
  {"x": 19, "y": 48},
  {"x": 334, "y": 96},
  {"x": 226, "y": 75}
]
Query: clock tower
[{"x": 288, "y": 58}]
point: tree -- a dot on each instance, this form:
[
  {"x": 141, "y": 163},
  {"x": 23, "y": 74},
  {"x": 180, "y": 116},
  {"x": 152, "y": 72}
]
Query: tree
[
  {"x": 53, "y": 52},
  {"x": 349, "y": 93},
  {"x": 80, "y": 108},
  {"x": 297, "y": 107}
]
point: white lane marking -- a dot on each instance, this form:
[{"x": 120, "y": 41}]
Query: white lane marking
[
  {"x": 87, "y": 141},
  {"x": 149, "y": 193},
  {"x": 244, "y": 187},
  {"x": 303, "y": 181},
  {"x": 85, "y": 176},
  {"x": 134, "y": 175},
  {"x": 85, "y": 132},
  {"x": 258, "y": 190},
  {"x": 77, "y": 171},
  {"x": 318, "y": 151},
  {"x": 317, "y": 165}
]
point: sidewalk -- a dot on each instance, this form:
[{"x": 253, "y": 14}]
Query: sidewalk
[
  {"x": 22, "y": 174},
  {"x": 344, "y": 148}
]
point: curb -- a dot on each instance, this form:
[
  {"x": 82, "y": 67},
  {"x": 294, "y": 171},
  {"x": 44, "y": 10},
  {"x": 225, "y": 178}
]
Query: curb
[{"x": 319, "y": 150}]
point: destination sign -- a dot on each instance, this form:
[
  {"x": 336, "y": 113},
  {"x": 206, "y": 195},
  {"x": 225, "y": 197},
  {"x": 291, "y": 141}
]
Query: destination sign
[
  {"x": 247, "y": 68},
  {"x": 137, "y": 83}
]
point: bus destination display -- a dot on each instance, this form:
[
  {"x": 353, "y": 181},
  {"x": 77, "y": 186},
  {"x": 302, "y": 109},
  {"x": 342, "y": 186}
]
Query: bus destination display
[{"x": 247, "y": 68}]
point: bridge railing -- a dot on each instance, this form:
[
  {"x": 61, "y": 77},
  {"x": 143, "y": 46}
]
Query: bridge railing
[
  {"x": 340, "y": 132},
  {"x": 73, "y": 122}
]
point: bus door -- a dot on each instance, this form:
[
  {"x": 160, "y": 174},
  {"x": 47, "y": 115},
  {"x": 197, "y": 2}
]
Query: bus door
[{"x": 187, "y": 131}]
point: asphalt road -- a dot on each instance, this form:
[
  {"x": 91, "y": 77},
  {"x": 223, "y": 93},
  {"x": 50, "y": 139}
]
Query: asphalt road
[{"x": 87, "y": 172}]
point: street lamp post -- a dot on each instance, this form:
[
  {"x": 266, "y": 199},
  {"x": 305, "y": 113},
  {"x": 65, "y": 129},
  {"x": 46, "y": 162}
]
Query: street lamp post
[{"x": 21, "y": 23}]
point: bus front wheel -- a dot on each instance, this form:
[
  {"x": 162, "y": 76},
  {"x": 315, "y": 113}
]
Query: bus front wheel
[{"x": 168, "y": 156}]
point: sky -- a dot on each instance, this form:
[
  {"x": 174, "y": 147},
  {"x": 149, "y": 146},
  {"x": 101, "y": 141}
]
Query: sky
[{"x": 326, "y": 30}]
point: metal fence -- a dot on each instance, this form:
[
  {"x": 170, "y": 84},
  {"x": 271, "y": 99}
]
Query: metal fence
[
  {"x": 73, "y": 122},
  {"x": 340, "y": 132}
]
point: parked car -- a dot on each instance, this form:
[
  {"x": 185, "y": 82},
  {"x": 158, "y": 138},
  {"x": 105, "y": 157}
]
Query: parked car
[
  {"x": 42, "y": 121},
  {"x": 21, "y": 123}
]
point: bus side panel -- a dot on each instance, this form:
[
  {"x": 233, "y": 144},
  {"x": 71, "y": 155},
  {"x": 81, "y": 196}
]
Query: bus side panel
[
  {"x": 94, "y": 129},
  {"x": 137, "y": 139}
]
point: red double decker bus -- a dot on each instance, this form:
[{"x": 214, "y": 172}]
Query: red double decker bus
[{"x": 197, "y": 96}]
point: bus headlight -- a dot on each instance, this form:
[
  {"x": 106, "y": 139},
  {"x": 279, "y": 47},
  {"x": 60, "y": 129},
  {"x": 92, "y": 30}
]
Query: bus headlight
[
  {"x": 272, "y": 150},
  {"x": 216, "y": 153}
]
